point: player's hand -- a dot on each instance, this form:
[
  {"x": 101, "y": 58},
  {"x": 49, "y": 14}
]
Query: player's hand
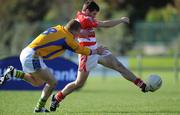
[
  {"x": 100, "y": 50},
  {"x": 125, "y": 20}
]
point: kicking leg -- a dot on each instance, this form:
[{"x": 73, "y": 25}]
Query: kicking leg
[{"x": 111, "y": 62}]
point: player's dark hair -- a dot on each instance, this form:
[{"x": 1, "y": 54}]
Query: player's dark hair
[
  {"x": 91, "y": 6},
  {"x": 73, "y": 25}
]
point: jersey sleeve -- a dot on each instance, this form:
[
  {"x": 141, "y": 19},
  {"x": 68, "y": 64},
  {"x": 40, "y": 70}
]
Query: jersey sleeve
[
  {"x": 87, "y": 23},
  {"x": 73, "y": 46}
]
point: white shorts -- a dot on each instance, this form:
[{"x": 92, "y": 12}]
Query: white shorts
[
  {"x": 30, "y": 62},
  {"x": 87, "y": 63}
]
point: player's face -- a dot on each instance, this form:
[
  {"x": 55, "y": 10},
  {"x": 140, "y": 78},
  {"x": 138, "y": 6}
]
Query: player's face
[{"x": 92, "y": 14}]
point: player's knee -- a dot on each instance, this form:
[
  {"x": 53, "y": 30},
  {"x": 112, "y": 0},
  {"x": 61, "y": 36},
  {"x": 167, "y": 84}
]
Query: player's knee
[
  {"x": 56, "y": 82},
  {"x": 37, "y": 84},
  {"x": 79, "y": 84},
  {"x": 53, "y": 83}
]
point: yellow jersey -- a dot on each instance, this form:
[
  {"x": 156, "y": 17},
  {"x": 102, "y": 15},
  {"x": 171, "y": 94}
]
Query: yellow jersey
[{"x": 54, "y": 41}]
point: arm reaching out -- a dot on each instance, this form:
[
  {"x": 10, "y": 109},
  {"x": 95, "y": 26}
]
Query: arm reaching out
[
  {"x": 83, "y": 50},
  {"x": 112, "y": 23},
  {"x": 72, "y": 45}
]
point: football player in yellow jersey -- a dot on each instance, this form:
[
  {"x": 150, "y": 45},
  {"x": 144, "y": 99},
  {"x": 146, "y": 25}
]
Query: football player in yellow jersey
[{"x": 48, "y": 45}]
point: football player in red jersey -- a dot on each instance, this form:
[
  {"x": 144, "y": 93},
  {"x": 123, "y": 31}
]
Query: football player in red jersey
[{"x": 87, "y": 19}]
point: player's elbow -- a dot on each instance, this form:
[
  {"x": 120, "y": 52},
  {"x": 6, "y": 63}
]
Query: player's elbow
[{"x": 104, "y": 26}]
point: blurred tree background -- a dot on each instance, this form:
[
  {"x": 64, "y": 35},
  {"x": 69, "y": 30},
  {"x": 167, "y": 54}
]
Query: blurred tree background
[{"x": 22, "y": 20}]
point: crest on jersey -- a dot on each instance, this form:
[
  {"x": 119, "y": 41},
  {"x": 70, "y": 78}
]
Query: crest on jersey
[{"x": 49, "y": 31}]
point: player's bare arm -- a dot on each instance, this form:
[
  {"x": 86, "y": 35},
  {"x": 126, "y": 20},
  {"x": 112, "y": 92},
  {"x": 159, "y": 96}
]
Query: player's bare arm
[{"x": 114, "y": 22}]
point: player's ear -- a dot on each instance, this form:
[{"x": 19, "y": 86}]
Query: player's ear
[
  {"x": 86, "y": 11},
  {"x": 77, "y": 31}
]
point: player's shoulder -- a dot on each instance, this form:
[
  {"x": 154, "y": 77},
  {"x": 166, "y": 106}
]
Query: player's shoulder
[
  {"x": 67, "y": 35},
  {"x": 57, "y": 27}
]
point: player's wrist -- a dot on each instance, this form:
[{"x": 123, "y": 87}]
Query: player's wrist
[{"x": 93, "y": 52}]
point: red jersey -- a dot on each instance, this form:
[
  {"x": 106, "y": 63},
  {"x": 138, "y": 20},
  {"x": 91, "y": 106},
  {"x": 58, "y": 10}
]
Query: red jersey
[{"x": 87, "y": 24}]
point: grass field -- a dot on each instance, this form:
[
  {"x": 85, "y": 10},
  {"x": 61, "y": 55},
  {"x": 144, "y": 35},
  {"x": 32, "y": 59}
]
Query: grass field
[
  {"x": 154, "y": 62},
  {"x": 102, "y": 96}
]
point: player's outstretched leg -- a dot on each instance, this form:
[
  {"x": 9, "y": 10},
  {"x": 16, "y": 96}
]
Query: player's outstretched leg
[
  {"x": 112, "y": 62},
  {"x": 8, "y": 74}
]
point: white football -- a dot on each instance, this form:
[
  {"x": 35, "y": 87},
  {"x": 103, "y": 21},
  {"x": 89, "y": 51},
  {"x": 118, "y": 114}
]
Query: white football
[{"x": 154, "y": 82}]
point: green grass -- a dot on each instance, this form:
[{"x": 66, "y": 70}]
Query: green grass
[
  {"x": 154, "y": 62},
  {"x": 102, "y": 96}
]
